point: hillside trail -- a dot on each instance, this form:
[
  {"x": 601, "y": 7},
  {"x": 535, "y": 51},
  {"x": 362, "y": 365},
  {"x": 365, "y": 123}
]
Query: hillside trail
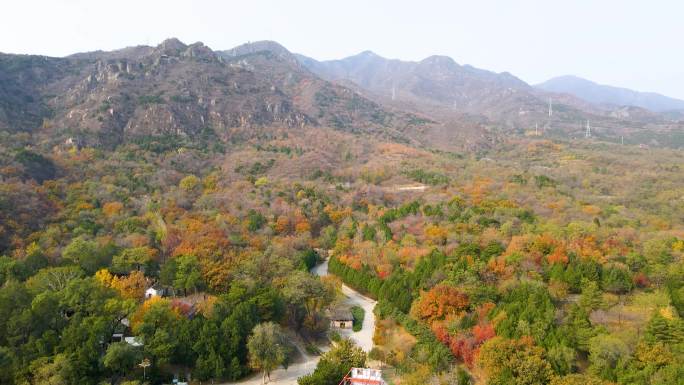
[{"x": 306, "y": 363}]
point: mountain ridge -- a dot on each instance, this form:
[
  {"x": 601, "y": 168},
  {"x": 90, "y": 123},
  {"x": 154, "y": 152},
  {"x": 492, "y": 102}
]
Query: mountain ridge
[
  {"x": 602, "y": 94},
  {"x": 259, "y": 88},
  {"x": 178, "y": 89},
  {"x": 439, "y": 86}
]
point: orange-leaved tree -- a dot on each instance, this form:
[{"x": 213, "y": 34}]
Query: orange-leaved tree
[
  {"x": 439, "y": 303},
  {"x": 132, "y": 286}
]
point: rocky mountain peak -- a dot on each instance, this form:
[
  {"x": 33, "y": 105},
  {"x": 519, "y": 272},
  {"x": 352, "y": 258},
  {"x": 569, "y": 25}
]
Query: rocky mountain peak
[
  {"x": 198, "y": 50},
  {"x": 258, "y": 46},
  {"x": 369, "y": 55},
  {"x": 365, "y": 58},
  {"x": 439, "y": 61},
  {"x": 270, "y": 48},
  {"x": 171, "y": 47},
  {"x": 182, "y": 90}
]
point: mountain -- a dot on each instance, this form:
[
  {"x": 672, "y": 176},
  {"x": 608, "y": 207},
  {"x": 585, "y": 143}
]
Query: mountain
[
  {"x": 178, "y": 89},
  {"x": 436, "y": 80},
  {"x": 464, "y": 98},
  {"x": 261, "y": 89},
  {"x": 610, "y": 96},
  {"x": 440, "y": 86},
  {"x": 257, "y": 47}
]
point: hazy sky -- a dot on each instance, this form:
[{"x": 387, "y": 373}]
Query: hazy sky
[{"x": 635, "y": 44}]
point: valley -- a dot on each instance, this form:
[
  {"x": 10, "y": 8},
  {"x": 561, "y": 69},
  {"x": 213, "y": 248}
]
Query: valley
[{"x": 177, "y": 212}]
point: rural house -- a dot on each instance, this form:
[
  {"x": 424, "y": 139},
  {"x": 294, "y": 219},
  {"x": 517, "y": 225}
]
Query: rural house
[{"x": 341, "y": 319}]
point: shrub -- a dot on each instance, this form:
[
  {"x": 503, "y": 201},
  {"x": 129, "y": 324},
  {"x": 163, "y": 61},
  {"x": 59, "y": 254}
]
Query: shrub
[
  {"x": 616, "y": 280},
  {"x": 358, "y": 313},
  {"x": 427, "y": 177},
  {"x": 544, "y": 181},
  {"x": 150, "y": 99}
]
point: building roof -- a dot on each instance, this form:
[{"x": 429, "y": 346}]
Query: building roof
[
  {"x": 135, "y": 341},
  {"x": 156, "y": 287},
  {"x": 365, "y": 376},
  {"x": 341, "y": 315}
]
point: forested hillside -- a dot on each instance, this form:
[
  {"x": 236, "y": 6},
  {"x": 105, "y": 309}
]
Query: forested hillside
[{"x": 176, "y": 228}]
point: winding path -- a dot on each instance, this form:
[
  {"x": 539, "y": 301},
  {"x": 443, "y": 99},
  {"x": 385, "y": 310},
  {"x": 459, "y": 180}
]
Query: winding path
[
  {"x": 364, "y": 337},
  {"x": 306, "y": 363}
]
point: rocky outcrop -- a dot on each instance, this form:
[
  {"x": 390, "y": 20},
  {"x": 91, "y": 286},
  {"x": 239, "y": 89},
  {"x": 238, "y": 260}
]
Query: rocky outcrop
[{"x": 106, "y": 98}]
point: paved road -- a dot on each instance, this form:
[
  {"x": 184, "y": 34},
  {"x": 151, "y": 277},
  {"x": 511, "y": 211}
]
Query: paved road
[
  {"x": 305, "y": 364},
  {"x": 363, "y": 338}
]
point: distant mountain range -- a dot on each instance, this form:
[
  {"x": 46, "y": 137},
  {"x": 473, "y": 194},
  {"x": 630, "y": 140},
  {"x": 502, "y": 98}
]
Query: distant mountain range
[
  {"x": 609, "y": 95},
  {"x": 258, "y": 89},
  {"x": 440, "y": 87},
  {"x": 436, "y": 84}
]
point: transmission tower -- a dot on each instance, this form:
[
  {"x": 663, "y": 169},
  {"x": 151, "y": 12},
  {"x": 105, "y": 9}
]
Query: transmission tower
[{"x": 587, "y": 133}]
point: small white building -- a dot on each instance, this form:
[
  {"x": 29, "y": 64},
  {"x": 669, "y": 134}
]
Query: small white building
[
  {"x": 133, "y": 341},
  {"x": 151, "y": 292},
  {"x": 365, "y": 376},
  {"x": 155, "y": 290},
  {"x": 341, "y": 319}
]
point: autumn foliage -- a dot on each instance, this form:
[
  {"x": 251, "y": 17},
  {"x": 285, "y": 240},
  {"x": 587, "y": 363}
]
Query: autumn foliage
[
  {"x": 439, "y": 303},
  {"x": 131, "y": 286}
]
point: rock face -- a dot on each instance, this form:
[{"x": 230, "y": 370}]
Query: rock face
[
  {"x": 106, "y": 98},
  {"x": 260, "y": 89}
]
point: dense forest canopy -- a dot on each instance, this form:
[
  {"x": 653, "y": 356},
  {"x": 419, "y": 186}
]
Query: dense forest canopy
[
  {"x": 538, "y": 262},
  {"x": 177, "y": 213}
]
